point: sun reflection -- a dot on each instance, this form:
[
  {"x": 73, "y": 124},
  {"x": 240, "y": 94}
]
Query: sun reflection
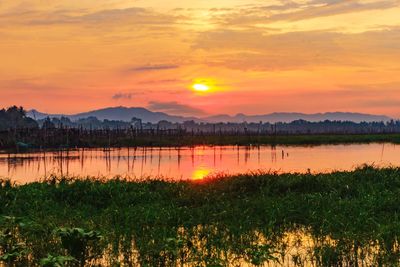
[{"x": 200, "y": 173}]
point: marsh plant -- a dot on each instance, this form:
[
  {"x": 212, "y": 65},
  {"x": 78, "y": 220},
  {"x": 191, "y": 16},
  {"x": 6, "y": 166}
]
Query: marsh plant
[
  {"x": 13, "y": 248},
  {"x": 79, "y": 244},
  {"x": 56, "y": 261},
  {"x": 260, "y": 219}
]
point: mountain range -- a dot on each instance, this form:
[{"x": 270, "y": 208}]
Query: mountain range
[{"x": 127, "y": 113}]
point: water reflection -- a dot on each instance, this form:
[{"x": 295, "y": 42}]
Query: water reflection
[
  {"x": 194, "y": 162},
  {"x": 200, "y": 173},
  {"x": 209, "y": 245}
]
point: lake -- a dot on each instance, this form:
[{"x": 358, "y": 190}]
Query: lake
[{"x": 194, "y": 162}]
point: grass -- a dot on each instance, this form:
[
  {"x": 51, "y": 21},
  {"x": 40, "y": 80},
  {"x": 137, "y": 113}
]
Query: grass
[
  {"x": 336, "y": 219},
  {"x": 252, "y": 139},
  {"x": 59, "y": 140}
]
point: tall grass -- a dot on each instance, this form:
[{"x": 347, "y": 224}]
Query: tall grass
[
  {"x": 58, "y": 138},
  {"x": 336, "y": 219}
]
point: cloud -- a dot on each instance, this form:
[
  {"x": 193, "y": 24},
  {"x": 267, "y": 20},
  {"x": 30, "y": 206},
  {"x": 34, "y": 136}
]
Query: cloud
[
  {"x": 163, "y": 81},
  {"x": 383, "y": 102},
  {"x": 354, "y": 98},
  {"x": 174, "y": 108},
  {"x": 374, "y": 87},
  {"x": 372, "y": 95},
  {"x": 133, "y": 16},
  {"x": 334, "y": 7},
  {"x": 120, "y": 96},
  {"x": 377, "y": 97},
  {"x": 30, "y": 84},
  {"x": 295, "y": 11},
  {"x": 152, "y": 68},
  {"x": 240, "y": 49},
  {"x": 288, "y": 5}
]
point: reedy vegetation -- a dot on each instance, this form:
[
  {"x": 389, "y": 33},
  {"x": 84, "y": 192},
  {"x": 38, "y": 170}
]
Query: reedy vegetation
[
  {"x": 19, "y": 132},
  {"x": 351, "y": 218},
  {"x": 76, "y": 138}
]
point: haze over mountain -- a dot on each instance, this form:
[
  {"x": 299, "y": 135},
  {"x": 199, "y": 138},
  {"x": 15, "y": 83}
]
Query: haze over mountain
[{"x": 126, "y": 114}]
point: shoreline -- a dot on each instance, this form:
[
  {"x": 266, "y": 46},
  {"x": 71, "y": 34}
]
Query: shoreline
[{"x": 210, "y": 140}]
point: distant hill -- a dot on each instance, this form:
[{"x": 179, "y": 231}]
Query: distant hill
[
  {"x": 289, "y": 117},
  {"x": 117, "y": 113},
  {"x": 126, "y": 114}
]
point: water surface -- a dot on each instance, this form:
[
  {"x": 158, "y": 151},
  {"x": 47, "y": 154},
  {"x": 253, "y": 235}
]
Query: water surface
[{"x": 195, "y": 162}]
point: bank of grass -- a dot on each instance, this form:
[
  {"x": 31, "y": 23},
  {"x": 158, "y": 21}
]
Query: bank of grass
[
  {"x": 351, "y": 217},
  {"x": 189, "y": 140},
  {"x": 62, "y": 140}
]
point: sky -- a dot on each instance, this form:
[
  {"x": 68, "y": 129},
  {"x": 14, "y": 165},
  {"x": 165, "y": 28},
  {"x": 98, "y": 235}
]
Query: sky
[{"x": 253, "y": 56}]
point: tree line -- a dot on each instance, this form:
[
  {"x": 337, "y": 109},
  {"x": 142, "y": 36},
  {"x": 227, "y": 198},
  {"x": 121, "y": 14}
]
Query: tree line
[
  {"x": 19, "y": 131},
  {"x": 15, "y": 118}
]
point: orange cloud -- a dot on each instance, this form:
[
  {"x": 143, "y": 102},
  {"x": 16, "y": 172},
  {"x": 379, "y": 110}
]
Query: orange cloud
[{"x": 74, "y": 55}]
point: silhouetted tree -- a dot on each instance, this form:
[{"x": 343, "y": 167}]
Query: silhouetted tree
[{"x": 15, "y": 118}]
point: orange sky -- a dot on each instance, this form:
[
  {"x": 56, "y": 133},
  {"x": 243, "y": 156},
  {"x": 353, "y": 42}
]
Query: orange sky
[{"x": 257, "y": 56}]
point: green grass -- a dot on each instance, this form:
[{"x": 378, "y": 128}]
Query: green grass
[{"x": 351, "y": 218}]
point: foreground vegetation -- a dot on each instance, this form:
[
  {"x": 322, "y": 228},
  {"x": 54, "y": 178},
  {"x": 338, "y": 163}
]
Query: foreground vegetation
[{"x": 337, "y": 219}]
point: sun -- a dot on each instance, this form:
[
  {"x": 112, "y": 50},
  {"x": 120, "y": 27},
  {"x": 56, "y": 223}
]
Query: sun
[{"x": 200, "y": 87}]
